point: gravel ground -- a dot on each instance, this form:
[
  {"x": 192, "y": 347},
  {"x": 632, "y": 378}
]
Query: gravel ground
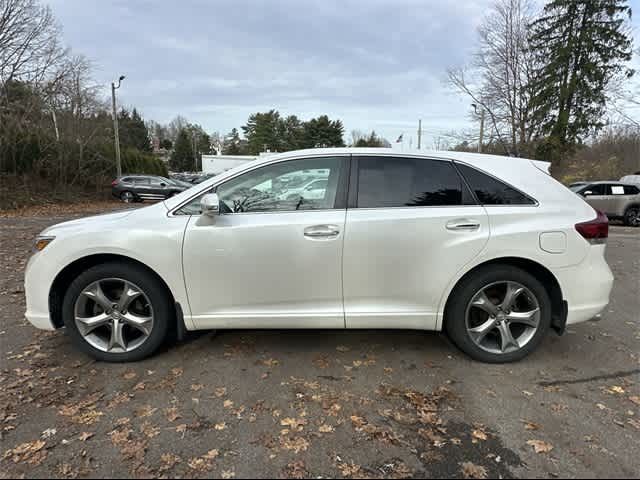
[{"x": 287, "y": 404}]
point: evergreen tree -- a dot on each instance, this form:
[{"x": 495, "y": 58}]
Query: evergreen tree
[
  {"x": 262, "y": 132},
  {"x": 373, "y": 140},
  {"x": 581, "y": 45},
  {"x": 133, "y": 131},
  {"x": 322, "y": 132},
  {"x": 292, "y": 133},
  {"x": 232, "y": 143},
  {"x": 182, "y": 155}
]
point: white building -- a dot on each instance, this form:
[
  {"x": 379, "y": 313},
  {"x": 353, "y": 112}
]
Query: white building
[{"x": 217, "y": 164}]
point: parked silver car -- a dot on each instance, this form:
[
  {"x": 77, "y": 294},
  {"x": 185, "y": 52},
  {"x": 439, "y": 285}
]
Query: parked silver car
[{"x": 619, "y": 200}]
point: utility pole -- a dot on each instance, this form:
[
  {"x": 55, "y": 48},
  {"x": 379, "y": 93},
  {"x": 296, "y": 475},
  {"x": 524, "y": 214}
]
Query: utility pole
[
  {"x": 419, "y": 133},
  {"x": 475, "y": 108},
  {"x": 481, "y": 131},
  {"x": 116, "y": 134}
]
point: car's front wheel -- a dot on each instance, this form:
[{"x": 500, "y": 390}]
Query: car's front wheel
[
  {"x": 498, "y": 314},
  {"x": 117, "y": 312}
]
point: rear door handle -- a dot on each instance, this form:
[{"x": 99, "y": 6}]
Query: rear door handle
[
  {"x": 322, "y": 231},
  {"x": 463, "y": 225}
]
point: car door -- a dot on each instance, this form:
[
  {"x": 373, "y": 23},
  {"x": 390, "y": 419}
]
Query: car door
[
  {"x": 411, "y": 226},
  {"x": 268, "y": 261},
  {"x": 596, "y": 196},
  {"x": 158, "y": 188}
]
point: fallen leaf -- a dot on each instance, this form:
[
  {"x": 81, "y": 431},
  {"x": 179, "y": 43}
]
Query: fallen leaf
[
  {"x": 324, "y": 428},
  {"x": 220, "y": 426},
  {"x": 479, "y": 435},
  {"x": 220, "y": 392},
  {"x": 530, "y": 425},
  {"x": 84, "y": 436},
  {"x": 471, "y": 470},
  {"x": 539, "y": 446},
  {"x": 172, "y": 414}
]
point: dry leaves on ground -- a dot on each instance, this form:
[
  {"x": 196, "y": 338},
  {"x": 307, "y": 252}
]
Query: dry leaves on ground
[{"x": 32, "y": 453}]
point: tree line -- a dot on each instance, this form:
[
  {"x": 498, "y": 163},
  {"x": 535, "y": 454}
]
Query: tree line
[
  {"x": 544, "y": 81},
  {"x": 54, "y": 123}
]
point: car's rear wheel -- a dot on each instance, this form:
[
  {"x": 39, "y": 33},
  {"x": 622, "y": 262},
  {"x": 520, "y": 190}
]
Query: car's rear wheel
[
  {"x": 498, "y": 314},
  {"x": 127, "y": 197},
  {"x": 632, "y": 216},
  {"x": 117, "y": 312}
]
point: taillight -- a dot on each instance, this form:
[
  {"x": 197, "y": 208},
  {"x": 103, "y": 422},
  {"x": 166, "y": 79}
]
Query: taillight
[
  {"x": 114, "y": 183},
  {"x": 595, "y": 231}
]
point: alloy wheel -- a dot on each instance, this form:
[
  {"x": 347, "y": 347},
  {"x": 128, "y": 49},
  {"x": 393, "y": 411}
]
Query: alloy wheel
[
  {"x": 113, "y": 315},
  {"x": 502, "y": 317},
  {"x": 127, "y": 197},
  {"x": 633, "y": 217}
]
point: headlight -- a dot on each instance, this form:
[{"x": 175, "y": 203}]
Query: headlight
[{"x": 41, "y": 243}]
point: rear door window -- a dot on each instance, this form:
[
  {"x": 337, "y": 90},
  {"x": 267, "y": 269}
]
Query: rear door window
[
  {"x": 616, "y": 190},
  {"x": 490, "y": 190},
  {"x": 385, "y": 182}
]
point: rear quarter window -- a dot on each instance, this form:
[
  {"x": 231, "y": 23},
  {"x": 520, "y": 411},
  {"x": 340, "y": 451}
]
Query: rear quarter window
[{"x": 490, "y": 190}]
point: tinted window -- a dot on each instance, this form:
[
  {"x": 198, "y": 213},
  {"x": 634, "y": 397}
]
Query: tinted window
[
  {"x": 631, "y": 190},
  {"x": 407, "y": 182},
  {"x": 597, "y": 189},
  {"x": 491, "y": 191},
  {"x": 140, "y": 180}
]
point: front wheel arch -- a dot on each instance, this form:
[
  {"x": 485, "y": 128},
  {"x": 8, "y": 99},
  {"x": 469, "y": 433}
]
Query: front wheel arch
[
  {"x": 70, "y": 272},
  {"x": 543, "y": 274}
]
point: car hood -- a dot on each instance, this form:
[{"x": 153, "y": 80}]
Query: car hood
[{"x": 100, "y": 222}]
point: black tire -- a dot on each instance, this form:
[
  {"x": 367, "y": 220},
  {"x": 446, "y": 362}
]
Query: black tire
[
  {"x": 128, "y": 197},
  {"x": 463, "y": 293},
  {"x": 632, "y": 216},
  {"x": 159, "y": 298}
]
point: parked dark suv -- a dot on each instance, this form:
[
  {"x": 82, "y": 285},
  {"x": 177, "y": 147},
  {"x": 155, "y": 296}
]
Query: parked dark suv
[{"x": 137, "y": 188}]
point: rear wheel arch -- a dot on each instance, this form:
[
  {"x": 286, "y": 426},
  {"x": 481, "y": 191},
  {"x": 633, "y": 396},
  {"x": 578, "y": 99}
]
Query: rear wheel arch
[
  {"x": 63, "y": 280},
  {"x": 628, "y": 209},
  {"x": 542, "y": 274}
]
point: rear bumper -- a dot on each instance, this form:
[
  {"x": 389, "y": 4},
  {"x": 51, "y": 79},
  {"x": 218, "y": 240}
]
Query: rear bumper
[{"x": 586, "y": 287}]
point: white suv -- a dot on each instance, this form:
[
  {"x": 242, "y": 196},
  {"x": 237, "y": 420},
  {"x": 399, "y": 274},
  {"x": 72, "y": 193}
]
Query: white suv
[{"x": 490, "y": 249}]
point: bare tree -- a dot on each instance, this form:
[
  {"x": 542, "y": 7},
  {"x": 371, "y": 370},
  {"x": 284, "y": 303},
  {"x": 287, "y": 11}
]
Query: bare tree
[
  {"x": 498, "y": 77},
  {"x": 29, "y": 41}
]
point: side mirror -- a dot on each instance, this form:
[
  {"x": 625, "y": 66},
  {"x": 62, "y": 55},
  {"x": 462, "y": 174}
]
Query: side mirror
[
  {"x": 210, "y": 204},
  {"x": 163, "y": 184}
]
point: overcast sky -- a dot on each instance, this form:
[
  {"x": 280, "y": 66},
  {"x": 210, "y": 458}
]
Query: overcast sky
[{"x": 373, "y": 64}]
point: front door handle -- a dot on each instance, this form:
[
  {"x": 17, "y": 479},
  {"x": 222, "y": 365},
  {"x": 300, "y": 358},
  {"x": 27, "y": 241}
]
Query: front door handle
[
  {"x": 463, "y": 225},
  {"x": 322, "y": 231}
]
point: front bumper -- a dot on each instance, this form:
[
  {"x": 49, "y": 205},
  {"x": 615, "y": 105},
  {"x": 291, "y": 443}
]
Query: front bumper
[{"x": 37, "y": 285}]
